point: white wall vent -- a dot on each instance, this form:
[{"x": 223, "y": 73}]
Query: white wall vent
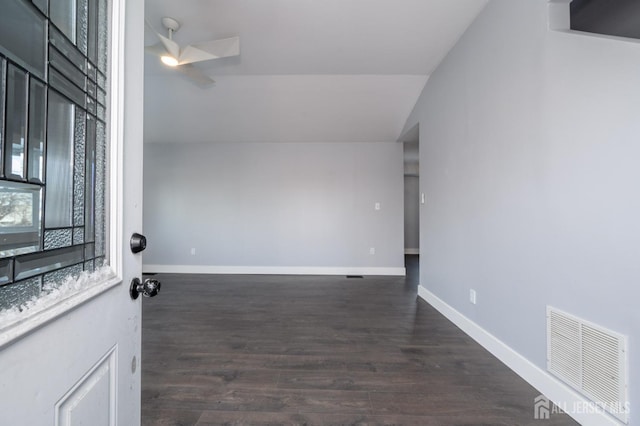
[{"x": 591, "y": 359}]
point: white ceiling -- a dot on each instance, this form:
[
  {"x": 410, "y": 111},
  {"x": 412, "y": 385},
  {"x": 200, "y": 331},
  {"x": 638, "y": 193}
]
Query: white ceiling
[{"x": 309, "y": 70}]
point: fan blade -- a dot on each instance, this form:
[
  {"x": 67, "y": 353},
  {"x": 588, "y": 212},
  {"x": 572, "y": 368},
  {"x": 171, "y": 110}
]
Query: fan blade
[
  {"x": 157, "y": 49},
  {"x": 172, "y": 47},
  {"x": 195, "y": 75},
  {"x": 213, "y": 49}
]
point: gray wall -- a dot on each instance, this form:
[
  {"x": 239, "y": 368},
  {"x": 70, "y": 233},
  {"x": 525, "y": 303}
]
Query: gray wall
[
  {"x": 529, "y": 157},
  {"x": 274, "y": 204}
]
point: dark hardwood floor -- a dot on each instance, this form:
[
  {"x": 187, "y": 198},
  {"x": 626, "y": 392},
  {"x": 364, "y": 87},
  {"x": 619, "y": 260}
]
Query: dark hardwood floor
[{"x": 289, "y": 350}]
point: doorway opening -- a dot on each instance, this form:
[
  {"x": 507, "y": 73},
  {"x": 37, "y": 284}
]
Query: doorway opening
[{"x": 410, "y": 142}]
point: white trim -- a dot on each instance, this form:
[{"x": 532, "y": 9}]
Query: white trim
[
  {"x": 540, "y": 379},
  {"x": 412, "y": 251},
  {"x": 115, "y": 135},
  {"x": 273, "y": 270}
]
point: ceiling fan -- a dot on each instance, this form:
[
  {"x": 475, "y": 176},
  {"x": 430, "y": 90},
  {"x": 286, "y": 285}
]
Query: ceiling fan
[{"x": 172, "y": 55}]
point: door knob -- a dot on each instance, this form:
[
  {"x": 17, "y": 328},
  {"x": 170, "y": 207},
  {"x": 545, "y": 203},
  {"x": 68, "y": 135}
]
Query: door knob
[
  {"x": 148, "y": 288},
  {"x": 138, "y": 243}
]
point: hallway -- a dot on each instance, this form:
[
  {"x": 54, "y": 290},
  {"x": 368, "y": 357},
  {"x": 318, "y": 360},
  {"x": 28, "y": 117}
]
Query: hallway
[{"x": 224, "y": 349}]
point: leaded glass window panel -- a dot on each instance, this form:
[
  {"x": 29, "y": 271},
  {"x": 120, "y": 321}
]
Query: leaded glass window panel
[
  {"x": 23, "y": 35},
  {"x": 53, "y": 155},
  {"x": 37, "y": 126},
  {"x": 59, "y": 190},
  {"x": 16, "y": 122},
  {"x": 63, "y": 15}
]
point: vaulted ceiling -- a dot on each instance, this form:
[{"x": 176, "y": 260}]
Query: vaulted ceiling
[{"x": 309, "y": 70}]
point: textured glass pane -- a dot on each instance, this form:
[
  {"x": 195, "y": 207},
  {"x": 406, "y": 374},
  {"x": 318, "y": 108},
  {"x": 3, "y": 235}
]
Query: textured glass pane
[
  {"x": 20, "y": 218},
  {"x": 23, "y": 35},
  {"x": 82, "y": 25},
  {"x": 57, "y": 238},
  {"x": 16, "y": 122},
  {"x": 78, "y": 235},
  {"x": 100, "y": 188},
  {"x": 3, "y": 85},
  {"x": 89, "y": 266},
  {"x": 68, "y": 69},
  {"x": 63, "y": 14},
  {"x": 67, "y": 49},
  {"x": 102, "y": 97},
  {"x": 53, "y": 280},
  {"x": 66, "y": 87},
  {"x": 6, "y": 271},
  {"x": 37, "y": 123},
  {"x": 16, "y": 295},
  {"x": 103, "y": 35},
  {"x": 92, "y": 32},
  {"x": 37, "y": 263},
  {"x": 102, "y": 81},
  {"x": 101, "y": 112},
  {"x": 100, "y": 261},
  {"x": 78, "y": 167},
  {"x": 59, "y": 194},
  {"x": 90, "y": 179}
]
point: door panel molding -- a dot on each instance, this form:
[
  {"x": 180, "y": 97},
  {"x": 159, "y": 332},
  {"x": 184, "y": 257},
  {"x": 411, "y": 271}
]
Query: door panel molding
[{"x": 92, "y": 400}]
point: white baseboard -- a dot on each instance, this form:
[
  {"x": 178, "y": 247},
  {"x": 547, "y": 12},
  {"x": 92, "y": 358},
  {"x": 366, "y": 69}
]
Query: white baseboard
[
  {"x": 273, "y": 270},
  {"x": 549, "y": 386},
  {"x": 412, "y": 251}
]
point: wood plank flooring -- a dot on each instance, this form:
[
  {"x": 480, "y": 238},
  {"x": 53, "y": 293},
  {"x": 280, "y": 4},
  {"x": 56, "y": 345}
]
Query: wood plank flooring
[{"x": 288, "y": 350}]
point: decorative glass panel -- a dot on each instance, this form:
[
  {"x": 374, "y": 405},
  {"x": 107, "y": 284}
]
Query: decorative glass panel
[
  {"x": 23, "y": 35},
  {"x": 16, "y": 295},
  {"x": 3, "y": 85},
  {"x": 78, "y": 168},
  {"x": 101, "y": 112},
  {"x": 90, "y": 179},
  {"x": 89, "y": 265},
  {"x": 6, "y": 271},
  {"x": 58, "y": 238},
  {"x": 59, "y": 162},
  {"x": 37, "y": 125},
  {"x": 52, "y": 280},
  {"x": 67, "y": 49},
  {"x": 38, "y": 263},
  {"x": 100, "y": 188},
  {"x": 62, "y": 64},
  {"x": 20, "y": 218},
  {"x": 78, "y": 235},
  {"x": 16, "y": 125},
  {"x": 82, "y": 25},
  {"x": 63, "y": 14},
  {"x": 92, "y": 32},
  {"x": 103, "y": 35},
  {"x": 43, "y": 5},
  {"x": 66, "y": 87},
  {"x": 53, "y": 152}
]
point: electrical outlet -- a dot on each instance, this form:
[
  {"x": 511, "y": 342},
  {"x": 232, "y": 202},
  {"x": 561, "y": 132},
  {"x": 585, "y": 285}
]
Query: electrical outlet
[
  {"x": 372, "y": 250},
  {"x": 472, "y": 296},
  {"x": 193, "y": 251},
  {"x": 376, "y": 206}
]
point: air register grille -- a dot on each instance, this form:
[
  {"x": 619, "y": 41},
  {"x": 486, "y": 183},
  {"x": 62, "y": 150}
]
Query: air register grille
[{"x": 589, "y": 358}]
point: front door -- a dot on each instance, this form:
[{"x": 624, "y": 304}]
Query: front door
[{"x": 70, "y": 199}]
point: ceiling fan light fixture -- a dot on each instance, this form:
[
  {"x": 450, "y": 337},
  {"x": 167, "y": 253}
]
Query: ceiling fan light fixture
[{"x": 169, "y": 60}]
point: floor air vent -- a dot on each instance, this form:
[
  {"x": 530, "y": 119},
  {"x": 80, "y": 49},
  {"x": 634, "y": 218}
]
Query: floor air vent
[{"x": 591, "y": 359}]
